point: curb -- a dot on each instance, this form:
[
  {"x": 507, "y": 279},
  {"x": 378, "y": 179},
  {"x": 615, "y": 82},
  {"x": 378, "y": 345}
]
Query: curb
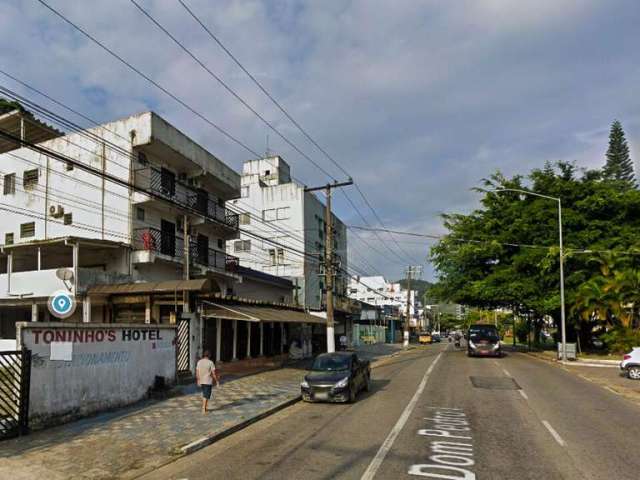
[
  {"x": 209, "y": 439},
  {"x": 577, "y": 363}
]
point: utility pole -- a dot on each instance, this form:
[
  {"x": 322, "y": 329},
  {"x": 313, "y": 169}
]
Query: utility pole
[
  {"x": 411, "y": 270},
  {"x": 329, "y": 264},
  {"x": 187, "y": 263}
]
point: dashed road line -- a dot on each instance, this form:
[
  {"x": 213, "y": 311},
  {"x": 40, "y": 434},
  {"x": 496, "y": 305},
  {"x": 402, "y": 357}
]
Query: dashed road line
[
  {"x": 612, "y": 390},
  {"x": 523, "y": 395},
  {"x": 373, "y": 467},
  {"x": 506, "y": 372},
  {"x": 554, "y": 434}
]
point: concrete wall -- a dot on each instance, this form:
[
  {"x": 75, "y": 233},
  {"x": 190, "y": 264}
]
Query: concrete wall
[{"x": 111, "y": 365}]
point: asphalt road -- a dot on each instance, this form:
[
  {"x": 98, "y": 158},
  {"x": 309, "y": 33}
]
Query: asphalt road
[{"x": 435, "y": 411}]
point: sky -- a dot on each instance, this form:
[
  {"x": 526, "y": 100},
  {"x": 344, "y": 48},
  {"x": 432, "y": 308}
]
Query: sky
[{"x": 416, "y": 100}]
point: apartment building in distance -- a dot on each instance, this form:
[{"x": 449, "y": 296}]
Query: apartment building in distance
[
  {"x": 377, "y": 291},
  {"x": 272, "y": 205}
]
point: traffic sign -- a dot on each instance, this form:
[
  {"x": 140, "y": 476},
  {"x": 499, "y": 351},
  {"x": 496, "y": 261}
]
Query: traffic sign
[{"x": 62, "y": 304}]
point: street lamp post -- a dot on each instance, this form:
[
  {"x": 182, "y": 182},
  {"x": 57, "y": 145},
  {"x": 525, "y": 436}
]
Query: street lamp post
[{"x": 563, "y": 327}]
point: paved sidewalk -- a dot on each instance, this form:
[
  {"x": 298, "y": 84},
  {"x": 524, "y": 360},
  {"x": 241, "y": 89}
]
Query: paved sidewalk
[{"x": 132, "y": 441}]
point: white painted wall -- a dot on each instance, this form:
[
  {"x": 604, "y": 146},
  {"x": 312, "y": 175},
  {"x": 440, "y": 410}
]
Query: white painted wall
[
  {"x": 107, "y": 372},
  {"x": 291, "y": 216},
  {"x": 377, "y": 291}
]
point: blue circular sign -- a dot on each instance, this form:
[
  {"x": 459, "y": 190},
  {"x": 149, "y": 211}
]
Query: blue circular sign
[{"x": 62, "y": 304}]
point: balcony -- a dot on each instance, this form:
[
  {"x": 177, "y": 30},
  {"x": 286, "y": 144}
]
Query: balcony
[
  {"x": 162, "y": 183},
  {"x": 171, "y": 247}
]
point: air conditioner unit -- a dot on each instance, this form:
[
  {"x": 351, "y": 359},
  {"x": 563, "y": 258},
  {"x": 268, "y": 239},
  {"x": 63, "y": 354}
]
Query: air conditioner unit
[{"x": 56, "y": 211}]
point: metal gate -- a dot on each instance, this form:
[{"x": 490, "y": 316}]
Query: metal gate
[
  {"x": 15, "y": 373},
  {"x": 183, "y": 346}
]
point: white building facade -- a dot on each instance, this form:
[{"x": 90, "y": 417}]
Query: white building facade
[
  {"x": 274, "y": 206},
  {"x": 377, "y": 291},
  {"x": 99, "y": 230}
]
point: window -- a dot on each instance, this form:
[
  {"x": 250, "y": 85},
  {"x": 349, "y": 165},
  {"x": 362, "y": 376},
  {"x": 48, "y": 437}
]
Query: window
[
  {"x": 27, "y": 229},
  {"x": 272, "y": 256},
  {"x": 245, "y": 219},
  {"x": 10, "y": 184},
  {"x": 140, "y": 214},
  {"x": 267, "y": 172},
  {"x": 244, "y": 192},
  {"x": 67, "y": 218},
  {"x": 353, "y": 290},
  {"x": 242, "y": 245},
  {"x": 8, "y": 238},
  {"x": 30, "y": 178},
  {"x": 69, "y": 166},
  {"x": 167, "y": 182},
  {"x": 281, "y": 256},
  {"x": 283, "y": 213},
  {"x": 221, "y": 244},
  {"x": 142, "y": 159},
  {"x": 269, "y": 215}
]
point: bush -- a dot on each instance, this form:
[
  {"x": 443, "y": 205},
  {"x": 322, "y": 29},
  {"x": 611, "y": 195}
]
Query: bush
[
  {"x": 621, "y": 340},
  {"x": 522, "y": 331}
]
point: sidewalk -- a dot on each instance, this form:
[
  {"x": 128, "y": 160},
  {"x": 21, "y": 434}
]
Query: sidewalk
[
  {"x": 610, "y": 377},
  {"x": 132, "y": 441}
]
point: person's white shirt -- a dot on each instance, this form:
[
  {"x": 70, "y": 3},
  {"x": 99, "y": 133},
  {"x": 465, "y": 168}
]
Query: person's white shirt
[{"x": 205, "y": 369}]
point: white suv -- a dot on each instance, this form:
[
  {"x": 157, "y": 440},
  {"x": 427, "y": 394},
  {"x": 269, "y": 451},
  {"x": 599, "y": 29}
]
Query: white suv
[{"x": 631, "y": 364}]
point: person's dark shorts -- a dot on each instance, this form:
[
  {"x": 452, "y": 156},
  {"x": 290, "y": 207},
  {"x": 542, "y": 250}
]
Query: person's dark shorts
[{"x": 206, "y": 391}]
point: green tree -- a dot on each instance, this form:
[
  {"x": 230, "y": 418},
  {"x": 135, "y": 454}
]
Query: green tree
[{"x": 619, "y": 165}]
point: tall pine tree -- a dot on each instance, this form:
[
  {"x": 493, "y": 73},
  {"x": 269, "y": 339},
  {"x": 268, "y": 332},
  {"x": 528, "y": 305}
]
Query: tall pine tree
[{"x": 619, "y": 165}]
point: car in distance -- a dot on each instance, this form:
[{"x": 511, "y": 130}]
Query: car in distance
[
  {"x": 483, "y": 340},
  {"x": 630, "y": 364},
  {"x": 435, "y": 338},
  {"x": 336, "y": 377},
  {"x": 424, "y": 338}
]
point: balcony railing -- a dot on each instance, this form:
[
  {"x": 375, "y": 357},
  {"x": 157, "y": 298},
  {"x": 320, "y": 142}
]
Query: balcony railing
[
  {"x": 210, "y": 209},
  {"x": 157, "y": 241},
  {"x": 165, "y": 185}
]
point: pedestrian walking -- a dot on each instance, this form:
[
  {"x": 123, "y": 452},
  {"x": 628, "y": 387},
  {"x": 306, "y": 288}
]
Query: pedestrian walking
[{"x": 205, "y": 375}]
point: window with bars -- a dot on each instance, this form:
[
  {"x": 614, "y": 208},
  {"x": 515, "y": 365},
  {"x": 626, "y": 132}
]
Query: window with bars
[
  {"x": 272, "y": 256},
  {"x": 8, "y": 238},
  {"x": 281, "y": 256},
  {"x": 242, "y": 245},
  {"x": 27, "y": 230},
  {"x": 30, "y": 178},
  {"x": 67, "y": 218},
  {"x": 10, "y": 184}
]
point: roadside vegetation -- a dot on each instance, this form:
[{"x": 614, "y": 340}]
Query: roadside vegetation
[{"x": 505, "y": 254}]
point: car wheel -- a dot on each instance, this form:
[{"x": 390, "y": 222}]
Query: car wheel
[
  {"x": 352, "y": 395},
  {"x": 634, "y": 372},
  {"x": 367, "y": 383}
]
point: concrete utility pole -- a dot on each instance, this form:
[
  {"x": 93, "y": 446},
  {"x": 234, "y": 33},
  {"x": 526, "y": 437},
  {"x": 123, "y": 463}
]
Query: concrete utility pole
[
  {"x": 411, "y": 270},
  {"x": 329, "y": 263},
  {"x": 187, "y": 263}
]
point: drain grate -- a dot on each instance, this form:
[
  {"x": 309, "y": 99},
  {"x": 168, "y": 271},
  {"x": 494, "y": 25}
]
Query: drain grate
[{"x": 494, "y": 383}]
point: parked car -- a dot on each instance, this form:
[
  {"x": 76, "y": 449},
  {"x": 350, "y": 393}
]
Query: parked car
[
  {"x": 630, "y": 364},
  {"x": 483, "y": 340},
  {"x": 336, "y": 377},
  {"x": 435, "y": 338}
]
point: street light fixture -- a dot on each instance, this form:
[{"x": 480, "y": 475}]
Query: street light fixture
[{"x": 562, "y": 314}]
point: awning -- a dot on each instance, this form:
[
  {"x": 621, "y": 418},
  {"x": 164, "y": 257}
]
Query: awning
[
  {"x": 256, "y": 313},
  {"x": 198, "y": 285}
]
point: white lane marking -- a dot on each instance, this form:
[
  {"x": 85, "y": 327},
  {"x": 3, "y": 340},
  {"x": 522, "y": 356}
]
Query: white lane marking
[
  {"x": 554, "y": 434},
  {"x": 612, "y": 390},
  {"x": 524, "y": 395},
  {"x": 506, "y": 372},
  {"x": 373, "y": 467}
]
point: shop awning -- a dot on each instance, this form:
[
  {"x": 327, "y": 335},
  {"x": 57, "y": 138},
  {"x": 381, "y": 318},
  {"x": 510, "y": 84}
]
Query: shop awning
[
  {"x": 198, "y": 285},
  {"x": 257, "y": 313}
]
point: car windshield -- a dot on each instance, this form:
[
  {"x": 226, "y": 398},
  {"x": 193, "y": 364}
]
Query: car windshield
[
  {"x": 331, "y": 363},
  {"x": 484, "y": 333}
]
